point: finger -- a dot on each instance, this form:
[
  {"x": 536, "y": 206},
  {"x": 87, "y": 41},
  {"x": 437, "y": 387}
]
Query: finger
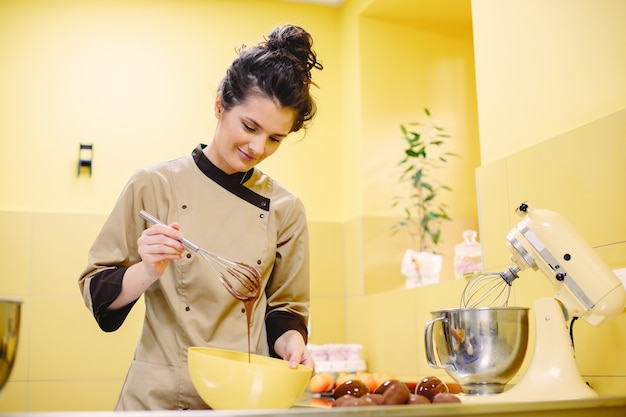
[
  {"x": 293, "y": 363},
  {"x": 295, "y": 358},
  {"x": 307, "y": 360},
  {"x": 160, "y": 238},
  {"x": 171, "y": 231},
  {"x": 309, "y": 365}
]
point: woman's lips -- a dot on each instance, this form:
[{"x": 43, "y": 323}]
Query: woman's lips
[{"x": 246, "y": 156}]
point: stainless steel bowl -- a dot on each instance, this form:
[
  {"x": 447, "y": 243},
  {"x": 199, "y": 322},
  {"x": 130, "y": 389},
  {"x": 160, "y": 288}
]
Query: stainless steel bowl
[
  {"x": 480, "y": 348},
  {"x": 9, "y": 332}
]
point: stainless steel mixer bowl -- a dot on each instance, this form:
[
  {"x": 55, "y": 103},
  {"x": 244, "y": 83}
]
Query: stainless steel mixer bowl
[
  {"x": 480, "y": 348},
  {"x": 9, "y": 332}
]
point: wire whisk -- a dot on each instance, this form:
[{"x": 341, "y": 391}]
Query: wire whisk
[
  {"x": 248, "y": 278},
  {"x": 489, "y": 289}
]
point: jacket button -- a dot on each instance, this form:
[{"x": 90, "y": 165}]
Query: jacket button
[{"x": 187, "y": 308}]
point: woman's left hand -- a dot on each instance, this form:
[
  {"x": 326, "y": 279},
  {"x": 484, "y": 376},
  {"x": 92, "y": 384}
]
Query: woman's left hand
[{"x": 291, "y": 347}]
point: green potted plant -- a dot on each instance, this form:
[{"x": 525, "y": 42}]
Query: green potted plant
[{"x": 424, "y": 154}]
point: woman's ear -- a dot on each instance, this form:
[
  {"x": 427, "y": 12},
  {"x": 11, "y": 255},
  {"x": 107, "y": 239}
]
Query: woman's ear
[{"x": 219, "y": 108}]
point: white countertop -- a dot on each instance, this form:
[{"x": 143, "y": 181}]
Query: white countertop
[{"x": 606, "y": 406}]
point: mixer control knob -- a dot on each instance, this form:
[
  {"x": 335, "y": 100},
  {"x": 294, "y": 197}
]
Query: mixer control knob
[{"x": 560, "y": 276}]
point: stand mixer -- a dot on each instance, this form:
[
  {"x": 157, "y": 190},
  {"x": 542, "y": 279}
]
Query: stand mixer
[{"x": 584, "y": 287}]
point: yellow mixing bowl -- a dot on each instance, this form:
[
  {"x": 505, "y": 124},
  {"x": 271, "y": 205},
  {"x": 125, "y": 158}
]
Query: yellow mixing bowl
[{"x": 225, "y": 380}]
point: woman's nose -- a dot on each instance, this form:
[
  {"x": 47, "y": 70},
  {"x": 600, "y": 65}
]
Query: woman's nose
[{"x": 257, "y": 145}]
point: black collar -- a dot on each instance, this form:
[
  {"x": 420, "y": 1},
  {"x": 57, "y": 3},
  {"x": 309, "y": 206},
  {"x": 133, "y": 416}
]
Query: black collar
[{"x": 231, "y": 182}]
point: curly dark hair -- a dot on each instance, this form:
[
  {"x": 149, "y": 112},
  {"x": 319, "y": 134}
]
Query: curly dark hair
[{"x": 278, "y": 68}]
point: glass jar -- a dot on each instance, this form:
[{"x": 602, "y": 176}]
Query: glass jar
[{"x": 467, "y": 255}]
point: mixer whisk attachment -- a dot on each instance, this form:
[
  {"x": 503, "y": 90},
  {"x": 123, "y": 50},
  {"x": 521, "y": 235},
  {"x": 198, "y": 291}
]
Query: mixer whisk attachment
[
  {"x": 248, "y": 280},
  {"x": 489, "y": 289}
]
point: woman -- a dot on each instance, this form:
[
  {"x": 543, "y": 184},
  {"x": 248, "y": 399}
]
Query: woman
[{"x": 216, "y": 198}]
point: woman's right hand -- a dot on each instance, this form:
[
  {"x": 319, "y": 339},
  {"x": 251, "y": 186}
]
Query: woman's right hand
[{"x": 158, "y": 245}]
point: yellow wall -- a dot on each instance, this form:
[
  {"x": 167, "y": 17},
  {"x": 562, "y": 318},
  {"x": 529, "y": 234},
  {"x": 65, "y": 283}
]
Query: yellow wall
[
  {"x": 138, "y": 79},
  {"x": 436, "y": 71},
  {"x": 551, "y": 98},
  {"x": 535, "y": 90},
  {"x": 545, "y": 67}
]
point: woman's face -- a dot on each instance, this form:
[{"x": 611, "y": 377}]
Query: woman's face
[{"x": 248, "y": 133}]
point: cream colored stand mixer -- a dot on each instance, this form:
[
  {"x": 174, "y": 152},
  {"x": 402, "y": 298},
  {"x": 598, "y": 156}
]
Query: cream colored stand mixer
[{"x": 584, "y": 287}]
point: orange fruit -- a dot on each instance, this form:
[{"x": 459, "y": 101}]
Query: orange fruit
[
  {"x": 330, "y": 378},
  {"x": 343, "y": 377},
  {"x": 368, "y": 379},
  {"x": 381, "y": 377},
  {"x": 320, "y": 383}
]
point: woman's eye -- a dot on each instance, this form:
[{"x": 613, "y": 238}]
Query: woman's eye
[
  {"x": 248, "y": 127},
  {"x": 275, "y": 140}
]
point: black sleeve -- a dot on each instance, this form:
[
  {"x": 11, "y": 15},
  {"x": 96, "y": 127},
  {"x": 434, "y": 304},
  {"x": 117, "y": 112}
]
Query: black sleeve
[
  {"x": 104, "y": 288},
  {"x": 278, "y": 322}
]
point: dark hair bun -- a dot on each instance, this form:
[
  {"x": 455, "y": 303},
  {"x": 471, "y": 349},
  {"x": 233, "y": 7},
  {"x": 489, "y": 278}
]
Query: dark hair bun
[
  {"x": 279, "y": 67},
  {"x": 295, "y": 44}
]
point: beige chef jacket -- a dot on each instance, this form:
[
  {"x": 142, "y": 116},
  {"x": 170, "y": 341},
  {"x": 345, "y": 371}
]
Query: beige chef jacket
[{"x": 247, "y": 217}]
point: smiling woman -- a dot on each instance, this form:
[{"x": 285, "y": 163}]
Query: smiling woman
[
  {"x": 221, "y": 200},
  {"x": 248, "y": 133}
]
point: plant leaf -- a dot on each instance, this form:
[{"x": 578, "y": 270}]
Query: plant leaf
[{"x": 422, "y": 213}]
